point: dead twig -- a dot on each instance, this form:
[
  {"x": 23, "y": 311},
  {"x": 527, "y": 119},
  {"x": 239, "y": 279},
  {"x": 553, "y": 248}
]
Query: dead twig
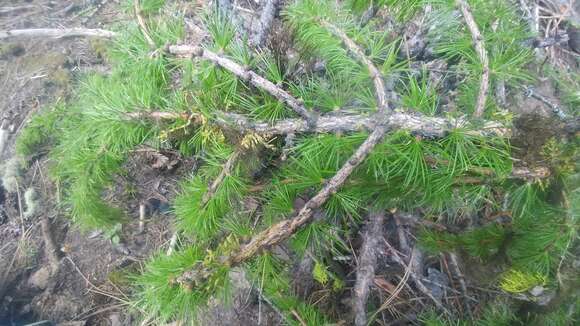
[
  {"x": 15, "y": 10},
  {"x": 454, "y": 264},
  {"x": 56, "y": 33},
  {"x": 479, "y": 43},
  {"x": 416, "y": 123},
  {"x": 142, "y": 24},
  {"x": 245, "y": 75},
  {"x": 365, "y": 273},
  {"x": 268, "y": 13},
  {"x": 141, "y": 218},
  {"x": 415, "y": 267},
  {"x": 375, "y": 73}
]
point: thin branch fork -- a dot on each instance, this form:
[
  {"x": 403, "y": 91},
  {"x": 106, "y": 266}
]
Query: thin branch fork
[
  {"x": 245, "y": 74},
  {"x": 415, "y": 273},
  {"x": 56, "y": 33},
  {"x": 479, "y": 43}
]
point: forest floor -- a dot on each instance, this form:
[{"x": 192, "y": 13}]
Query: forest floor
[{"x": 89, "y": 287}]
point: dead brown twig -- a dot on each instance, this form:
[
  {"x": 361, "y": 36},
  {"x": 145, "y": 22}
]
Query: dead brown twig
[
  {"x": 366, "y": 266},
  {"x": 454, "y": 263},
  {"x": 479, "y": 44},
  {"x": 416, "y": 123},
  {"x": 50, "y": 248}
]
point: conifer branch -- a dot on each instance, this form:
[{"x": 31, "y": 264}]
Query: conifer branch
[
  {"x": 226, "y": 171},
  {"x": 270, "y": 9},
  {"x": 142, "y": 24},
  {"x": 56, "y": 33},
  {"x": 366, "y": 266},
  {"x": 285, "y": 229},
  {"x": 416, "y": 123},
  {"x": 479, "y": 43},
  {"x": 376, "y": 76},
  {"x": 246, "y": 75}
]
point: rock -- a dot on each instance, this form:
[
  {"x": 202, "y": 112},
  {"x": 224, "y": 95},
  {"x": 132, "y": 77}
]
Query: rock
[
  {"x": 438, "y": 282},
  {"x": 537, "y": 290},
  {"x": 40, "y": 278},
  {"x": 115, "y": 319}
]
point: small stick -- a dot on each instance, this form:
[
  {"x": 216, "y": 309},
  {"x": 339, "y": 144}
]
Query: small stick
[
  {"x": 14, "y": 10},
  {"x": 416, "y": 123},
  {"x": 415, "y": 262},
  {"x": 479, "y": 43},
  {"x": 56, "y": 33},
  {"x": 365, "y": 273},
  {"x": 245, "y": 74},
  {"x": 454, "y": 264},
  {"x": 141, "y": 218},
  {"x": 143, "y": 25},
  {"x": 172, "y": 243},
  {"x": 376, "y": 76}
]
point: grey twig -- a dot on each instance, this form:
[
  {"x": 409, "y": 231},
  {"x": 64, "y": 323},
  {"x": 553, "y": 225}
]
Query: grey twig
[
  {"x": 268, "y": 13},
  {"x": 365, "y": 273},
  {"x": 56, "y": 33},
  {"x": 479, "y": 43}
]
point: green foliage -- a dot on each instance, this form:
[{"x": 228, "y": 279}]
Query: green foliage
[
  {"x": 503, "y": 32},
  {"x": 270, "y": 274},
  {"x": 39, "y": 131},
  {"x": 483, "y": 242},
  {"x": 160, "y": 297},
  {"x": 516, "y": 281},
  {"x": 204, "y": 221}
]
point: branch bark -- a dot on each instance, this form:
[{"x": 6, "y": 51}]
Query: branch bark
[
  {"x": 245, "y": 74},
  {"x": 56, "y": 33},
  {"x": 366, "y": 266},
  {"x": 268, "y": 14},
  {"x": 416, "y": 123},
  {"x": 479, "y": 44}
]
